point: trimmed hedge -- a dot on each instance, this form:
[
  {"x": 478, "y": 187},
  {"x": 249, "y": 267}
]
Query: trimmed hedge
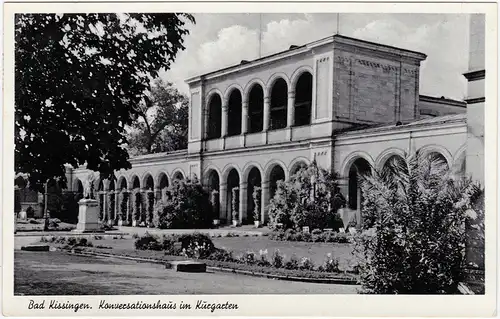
[{"x": 316, "y": 236}]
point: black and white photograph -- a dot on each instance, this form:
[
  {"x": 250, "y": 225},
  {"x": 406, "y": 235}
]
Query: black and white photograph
[{"x": 248, "y": 153}]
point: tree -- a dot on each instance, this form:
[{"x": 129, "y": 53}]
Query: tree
[
  {"x": 79, "y": 78},
  {"x": 310, "y": 197},
  {"x": 163, "y": 121},
  {"x": 414, "y": 214}
]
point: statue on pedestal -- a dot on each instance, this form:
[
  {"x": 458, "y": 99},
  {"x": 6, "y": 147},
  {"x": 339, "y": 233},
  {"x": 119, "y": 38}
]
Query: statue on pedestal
[{"x": 88, "y": 190}]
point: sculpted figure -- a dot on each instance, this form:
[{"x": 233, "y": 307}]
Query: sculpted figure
[{"x": 88, "y": 190}]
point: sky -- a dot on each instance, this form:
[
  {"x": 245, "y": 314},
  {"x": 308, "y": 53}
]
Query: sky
[{"x": 220, "y": 40}]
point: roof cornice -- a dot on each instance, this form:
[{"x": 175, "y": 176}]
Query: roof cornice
[{"x": 334, "y": 39}]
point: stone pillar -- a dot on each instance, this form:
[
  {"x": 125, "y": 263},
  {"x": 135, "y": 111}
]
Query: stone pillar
[
  {"x": 223, "y": 204},
  {"x": 267, "y": 106},
  {"x": 243, "y": 201},
  {"x": 130, "y": 206},
  {"x": 105, "y": 212},
  {"x": 244, "y": 118},
  {"x": 290, "y": 109},
  {"x": 117, "y": 206},
  {"x": 224, "y": 119},
  {"x": 265, "y": 201},
  {"x": 157, "y": 194}
]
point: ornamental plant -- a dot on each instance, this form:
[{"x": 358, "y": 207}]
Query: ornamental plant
[
  {"x": 123, "y": 205},
  {"x": 257, "y": 195},
  {"x": 150, "y": 209},
  {"x": 137, "y": 204},
  {"x": 311, "y": 197},
  {"x": 187, "y": 206},
  {"x": 414, "y": 212},
  {"x": 235, "y": 202}
]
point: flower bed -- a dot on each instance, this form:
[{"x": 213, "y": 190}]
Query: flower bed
[
  {"x": 201, "y": 247},
  {"x": 316, "y": 236}
]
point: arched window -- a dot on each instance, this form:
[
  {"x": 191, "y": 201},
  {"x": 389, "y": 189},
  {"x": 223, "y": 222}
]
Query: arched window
[
  {"x": 279, "y": 100},
  {"x": 359, "y": 167},
  {"x": 234, "y": 113},
  {"x": 277, "y": 174},
  {"x": 303, "y": 100},
  {"x": 214, "y": 117},
  {"x": 256, "y": 109}
]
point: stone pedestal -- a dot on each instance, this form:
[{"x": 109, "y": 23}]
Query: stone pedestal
[{"x": 88, "y": 216}]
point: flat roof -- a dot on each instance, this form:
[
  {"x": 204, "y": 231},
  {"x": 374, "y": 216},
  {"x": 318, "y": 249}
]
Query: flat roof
[{"x": 337, "y": 38}]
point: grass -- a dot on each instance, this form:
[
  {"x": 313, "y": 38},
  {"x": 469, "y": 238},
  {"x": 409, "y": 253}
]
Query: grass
[
  {"x": 27, "y": 227},
  {"x": 238, "y": 245},
  {"x": 315, "y": 251}
]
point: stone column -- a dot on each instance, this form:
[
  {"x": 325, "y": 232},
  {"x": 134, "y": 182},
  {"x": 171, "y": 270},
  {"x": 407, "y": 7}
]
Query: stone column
[
  {"x": 157, "y": 194},
  {"x": 244, "y": 118},
  {"x": 105, "y": 215},
  {"x": 244, "y": 122},
  {"x": 130, "y": 207},
  {"x": 267, "y": 105},
  {"x": 117, "y": 206},
  {"x": 265, "y": 196},
  {"x": 223, "y": 204},
  {"x": 224, "y": 119},
  {"x": 290, "y": 114},
  {"x": 243, "y": 201}
]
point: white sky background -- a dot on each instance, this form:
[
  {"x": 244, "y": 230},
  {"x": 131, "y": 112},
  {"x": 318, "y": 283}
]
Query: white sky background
[{"x": 221, "y": 40}]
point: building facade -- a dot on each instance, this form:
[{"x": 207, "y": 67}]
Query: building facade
[{"x": 348, "y": 104}]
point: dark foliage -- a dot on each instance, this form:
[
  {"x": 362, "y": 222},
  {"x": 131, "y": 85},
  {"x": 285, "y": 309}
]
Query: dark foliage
[{"x": 79, "y": 79}]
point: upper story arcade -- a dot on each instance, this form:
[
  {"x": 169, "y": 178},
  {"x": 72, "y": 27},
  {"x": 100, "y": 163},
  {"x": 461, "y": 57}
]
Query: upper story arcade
[{"x": 305, "y": 93}]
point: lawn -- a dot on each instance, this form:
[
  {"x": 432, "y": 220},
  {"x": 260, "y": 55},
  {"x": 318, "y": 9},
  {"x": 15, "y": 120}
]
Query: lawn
[
  {"x": 38, "y": 225},
  {"x": 238, "y": 245}
]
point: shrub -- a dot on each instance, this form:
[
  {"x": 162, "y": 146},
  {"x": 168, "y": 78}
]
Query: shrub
[
  {"x": 330, "y": 264},
  {"x": 300, "y": 202},
  {"x": 188, "y": 206},
  {"x": 248, "y": 258},
  {"x": 293, "y": 263},
  {"x": 306, "y": 264},
  {"x": 221, "y": 254},
  {"x": 148, "y": 242},
  {"x": 71, "y": 241},
  {"x": 135, "y": 236},
  {"x": 277, "y": 259},
  {"x": 263, "y": 260},
  {"x": 316, "y": 231},
  {"x": 168, "y": 245},
  {"x": 196, "y": 245},
  {"x": 415, "y": 237},
  {"x": 257, "y": 195}
]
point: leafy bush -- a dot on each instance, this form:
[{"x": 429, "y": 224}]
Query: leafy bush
[
  {"x": 330, "y": 264},
  {"x": 221, "y": 254},
  {"x": 148, "y": 242},
  {"x": 168, "y": 245},
  {"x": 316, "y": 231},
  {"x": 277, "y": 259},
  {"x": 248, "y": 258},
  {"x": 323, "y": 237},
  {"x": 292, "y": 263},
  {"x": 414, "y": 238},
  {"x": 188, "y": 206},
  {"x": 196, "y": 245},
  {"x": 311, "y": 198},
  {"x": 263, "y": 260},
  {"x": 306, "y": 264}
]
